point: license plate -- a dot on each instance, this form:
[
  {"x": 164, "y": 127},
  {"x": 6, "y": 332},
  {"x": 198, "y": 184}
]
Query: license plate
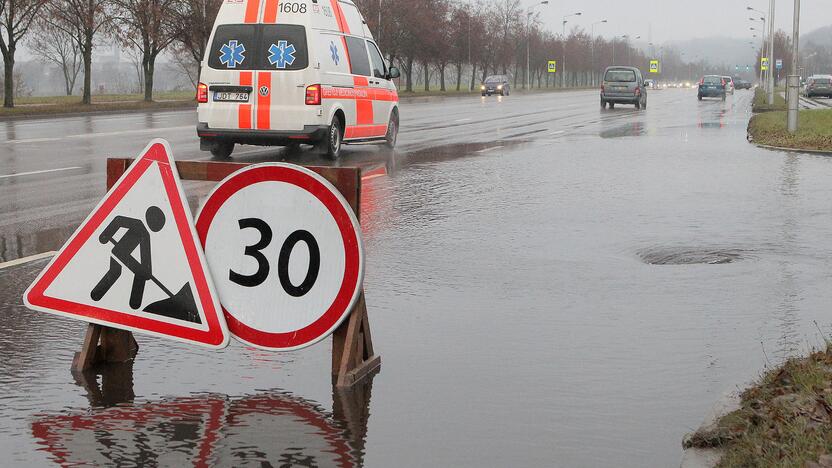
[{"x": 230, "y": 96}]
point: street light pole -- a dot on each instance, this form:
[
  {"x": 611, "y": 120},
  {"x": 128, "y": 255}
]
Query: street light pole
[
  {"x": 592, "y": 47},
  {"x": 563, "y": 49},
  {"x": 794, "y": 78},
  {"x": 763, "y": 75},
  {"x": 771, "y": 60},
  {"x": 529, "y": 37}
]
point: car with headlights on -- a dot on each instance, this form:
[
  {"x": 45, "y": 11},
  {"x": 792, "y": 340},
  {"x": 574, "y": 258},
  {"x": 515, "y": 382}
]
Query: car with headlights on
[{"x": 496, "y": 84}]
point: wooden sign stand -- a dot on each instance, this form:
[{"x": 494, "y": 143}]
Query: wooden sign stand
[{"x": 352, "y": 345}]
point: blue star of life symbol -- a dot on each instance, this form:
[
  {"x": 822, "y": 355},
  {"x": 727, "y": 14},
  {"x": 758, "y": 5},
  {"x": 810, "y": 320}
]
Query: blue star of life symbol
[
  {"x": 281, "y": 54},
  {"x": 334, "y": 51},
  {"x": 232, "y": 54}
]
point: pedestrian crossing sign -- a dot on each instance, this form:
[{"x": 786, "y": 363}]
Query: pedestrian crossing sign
[
  {"x": 553, "y": 66},
  {"x": 654, "y": 66},
  {"x": 764, "y": 63},
  {"x": 136, "y": 262}
]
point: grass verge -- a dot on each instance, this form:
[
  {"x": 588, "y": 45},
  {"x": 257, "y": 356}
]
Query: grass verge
[
  {"x": 760, "y": 102},
  {"x": 57, "y": 105},
  {"x": 814, "y": 130},
  {"x": 784, "y": 420}
]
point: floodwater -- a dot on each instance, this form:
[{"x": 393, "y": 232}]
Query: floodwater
[{"x": 569, "y": 292}]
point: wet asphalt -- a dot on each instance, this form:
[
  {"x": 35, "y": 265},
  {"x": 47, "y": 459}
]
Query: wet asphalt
[{"x": 548, "y": 284}]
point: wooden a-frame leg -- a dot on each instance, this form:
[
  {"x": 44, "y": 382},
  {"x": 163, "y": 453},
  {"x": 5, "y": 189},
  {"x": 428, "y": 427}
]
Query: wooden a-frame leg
[
  {"x": 115, "y": 346},
  {"x": 352, "y": 347}
]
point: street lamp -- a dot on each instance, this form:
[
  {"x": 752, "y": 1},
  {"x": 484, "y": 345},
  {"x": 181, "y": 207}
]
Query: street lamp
[
  {"x": 592, "y": 45},
  {"x": 763, "y": 37},
  {"x": 563, "y": 48},
  {"x": 529, "y": 36}
]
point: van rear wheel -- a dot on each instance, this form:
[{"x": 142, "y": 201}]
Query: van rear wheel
[
  {"x": 222, "y": 149},
  {"x": 392, "y": 132},
  {"x": 330, "y": 146}
]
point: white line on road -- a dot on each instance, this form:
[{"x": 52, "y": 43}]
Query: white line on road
[
  {"x": 558, "y": 132},
  {"x": 32, "y": 140},
  {"x": 45, "y": 171},
  {"x": 30, "y": 258},
  {"x": 489, "y": 149},
  {"x": 462, "y": 120},
  {"x": 128, "y": 132}
]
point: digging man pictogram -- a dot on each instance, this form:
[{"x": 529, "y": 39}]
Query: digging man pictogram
[{"x": 180, "y": 305}]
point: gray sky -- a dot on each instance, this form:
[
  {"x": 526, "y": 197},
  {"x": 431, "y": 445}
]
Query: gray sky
[{"x": 679, "y": 19}]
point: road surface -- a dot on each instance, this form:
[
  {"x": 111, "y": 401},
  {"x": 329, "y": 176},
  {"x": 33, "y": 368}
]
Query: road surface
[{"x": 549, "y": 284}]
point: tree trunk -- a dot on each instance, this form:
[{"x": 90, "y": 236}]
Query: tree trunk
[
  {"x": 473, "y": 76},
  {"x": 427, "y": 76},
  {"x": 87, "y": 51},
  {"x": 148, "y": 65},
  {"x": 459, "y": 76},
  {"x": 409, "y": 75},
  {"x": 442, "y": 77},
  {"x": 8, "y": 84}
]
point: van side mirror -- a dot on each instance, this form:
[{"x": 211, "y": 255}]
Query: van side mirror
[{"x": 393, "y": 72}]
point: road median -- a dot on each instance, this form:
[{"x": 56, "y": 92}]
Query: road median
[
  {"x": 784, "y": 419},
  {"x": 70, "y": 105},
  {"x": 814, "y": 131}
]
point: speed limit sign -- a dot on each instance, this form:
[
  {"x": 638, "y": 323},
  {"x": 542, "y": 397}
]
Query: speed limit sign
[{"x": 284, "y": 249}]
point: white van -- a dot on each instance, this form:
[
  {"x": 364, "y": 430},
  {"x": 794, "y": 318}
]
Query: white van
[{"x": 280, "y": 72}]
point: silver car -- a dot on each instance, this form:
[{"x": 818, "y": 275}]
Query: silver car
[{"x": 623, "y": 85}]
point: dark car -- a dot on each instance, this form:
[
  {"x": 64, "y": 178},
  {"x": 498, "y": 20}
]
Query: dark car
[
  {"x": 496, "y": 84},
  {"x": 818, "y": 85},
  {"x": 623, "y": 85},
  {"x": 739, "y": 83},
  {"x": 711, "y": 86}
]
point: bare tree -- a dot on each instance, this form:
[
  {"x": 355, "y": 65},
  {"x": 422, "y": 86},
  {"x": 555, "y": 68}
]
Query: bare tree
[
  {"x": 194, "y": 20},
  {"x": 53, "y": 44},
  {"x": 147, "y": 25},
  {"x": 16, "y": 17}
]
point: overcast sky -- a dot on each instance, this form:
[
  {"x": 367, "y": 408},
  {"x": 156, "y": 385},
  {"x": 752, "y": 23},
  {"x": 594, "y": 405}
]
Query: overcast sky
[{"x": 679, "y": 19}]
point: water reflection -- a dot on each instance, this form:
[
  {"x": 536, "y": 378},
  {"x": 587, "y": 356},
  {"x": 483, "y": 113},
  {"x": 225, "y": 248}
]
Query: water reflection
[{"x": 272, "y": 428}]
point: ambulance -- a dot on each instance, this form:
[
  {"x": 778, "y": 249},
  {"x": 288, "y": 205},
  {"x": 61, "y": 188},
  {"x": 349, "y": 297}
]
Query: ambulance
[{"x": 289, "y": 72}]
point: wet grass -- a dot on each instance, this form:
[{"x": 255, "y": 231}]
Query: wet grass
[
  {"x": 814, "y": 130},
  {"x": 760, "y": 102},
  {"x": 784, "y": 420},
  {"x": 57, "y": 105}
]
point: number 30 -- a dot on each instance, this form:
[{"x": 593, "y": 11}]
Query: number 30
[{"x": 263, "y": 267}]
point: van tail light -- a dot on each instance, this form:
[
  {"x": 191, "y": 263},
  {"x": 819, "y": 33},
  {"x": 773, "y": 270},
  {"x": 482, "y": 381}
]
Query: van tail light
[
  {"x": 702, "y": 80},
  {"x": 723, "y": 82},
  {"x": 637, "y": 92},
  {"x": 202, "y": 93},
  {"x": 602, "y": 88},
  {"x": 313, "y": 95}
]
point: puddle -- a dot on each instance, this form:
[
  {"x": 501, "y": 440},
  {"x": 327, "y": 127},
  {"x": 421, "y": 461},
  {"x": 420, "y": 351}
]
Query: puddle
[{"x": 691, "y": 256}]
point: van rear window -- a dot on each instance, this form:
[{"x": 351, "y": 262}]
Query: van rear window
[
  {"x": 821, "y": 81},
  {"x": 259, "y": 47},
  {"x": 620, "y": 75}
]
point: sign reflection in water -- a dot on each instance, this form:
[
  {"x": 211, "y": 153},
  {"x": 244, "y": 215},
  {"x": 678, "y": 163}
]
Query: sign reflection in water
[{"x": 272, "y": 428}]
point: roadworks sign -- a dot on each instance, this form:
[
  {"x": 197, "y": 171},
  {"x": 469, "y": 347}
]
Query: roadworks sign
[
  {"x": 553, "y": 66},
  {"x": 136, "y": 263}
]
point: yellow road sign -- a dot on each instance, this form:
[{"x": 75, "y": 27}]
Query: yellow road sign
[
  {"x": 654, "y": 66},
  {"x": 764, "y": 63},
  {"x": 553, "y": 66}
]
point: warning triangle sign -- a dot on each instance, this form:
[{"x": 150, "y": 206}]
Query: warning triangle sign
[{"x": 135, "y": 263}]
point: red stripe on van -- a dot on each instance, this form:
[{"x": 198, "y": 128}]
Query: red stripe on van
[
  {"x": 244, "y": 110},
  {"x": 363, "y": 112},
  {"x": 264, "y": 102},
  {"x": 360, "y": 81},
  {"x": 270, "y": 15},
  {"x": 364, "y": 131},
  {"x": 339, "y": 17},
  {"x": 252, "y": 9}
]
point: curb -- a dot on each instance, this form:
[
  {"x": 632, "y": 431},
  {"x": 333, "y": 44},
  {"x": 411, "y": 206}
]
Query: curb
[
  {"x": 75, "y": 113},
  {"x": 750, "y": 139},
  {"x": 695, "y": 457}
]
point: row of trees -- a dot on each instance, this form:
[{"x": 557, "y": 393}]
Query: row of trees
[{"x": 65, "y": 32}]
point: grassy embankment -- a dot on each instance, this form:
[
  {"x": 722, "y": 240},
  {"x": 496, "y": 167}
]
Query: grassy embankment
[
  {"x": 55, "y": 105},
  {"x": 784, "y": 420},
  {"x": 768, "y": 126}
]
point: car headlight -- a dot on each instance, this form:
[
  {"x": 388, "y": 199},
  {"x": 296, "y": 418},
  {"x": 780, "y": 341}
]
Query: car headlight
[
  {"x": 499, "y": 86},
  {"x": 482, "y": 87}
]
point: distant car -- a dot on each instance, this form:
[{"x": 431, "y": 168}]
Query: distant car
[
  {"x": 711, "y": 86},
  {"x": 729, "y": 84},
  {"x": 650, "y": 83},
  {"x": 623, "y": 85},
  {"x": 739, "y": 83},
  {"x": 496, "y": 84},
  {"x": 818, "y": 85}
]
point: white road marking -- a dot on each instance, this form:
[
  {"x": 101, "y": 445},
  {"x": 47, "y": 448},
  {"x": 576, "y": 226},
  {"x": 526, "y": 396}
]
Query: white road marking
[
  {"x": 128, "y": 132},
  {"x": 32, "y": 140},
  {"x": 489, "y": 149},
  {"x": 558, "y": 132},
  {"x": 30, "y": 258},
  {"x": 45, "y": 171},
  {"x": 462, "y": 120}
]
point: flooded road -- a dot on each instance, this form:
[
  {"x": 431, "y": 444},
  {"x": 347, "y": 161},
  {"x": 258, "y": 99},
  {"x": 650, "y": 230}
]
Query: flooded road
[{"x": 548, "y": 284}]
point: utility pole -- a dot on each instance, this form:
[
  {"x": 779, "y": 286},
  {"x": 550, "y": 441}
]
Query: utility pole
[
  {"x": 529, "y": 37},
  {"x": 794, "y": 78},
  {"x": 592, "y": 48},
  {"x": 771, "y": 60},
  {"x": 563, "y": 49}
]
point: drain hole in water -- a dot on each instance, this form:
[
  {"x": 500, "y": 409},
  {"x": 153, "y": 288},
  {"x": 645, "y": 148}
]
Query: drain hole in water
[{"x": 669, "y": 256}]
